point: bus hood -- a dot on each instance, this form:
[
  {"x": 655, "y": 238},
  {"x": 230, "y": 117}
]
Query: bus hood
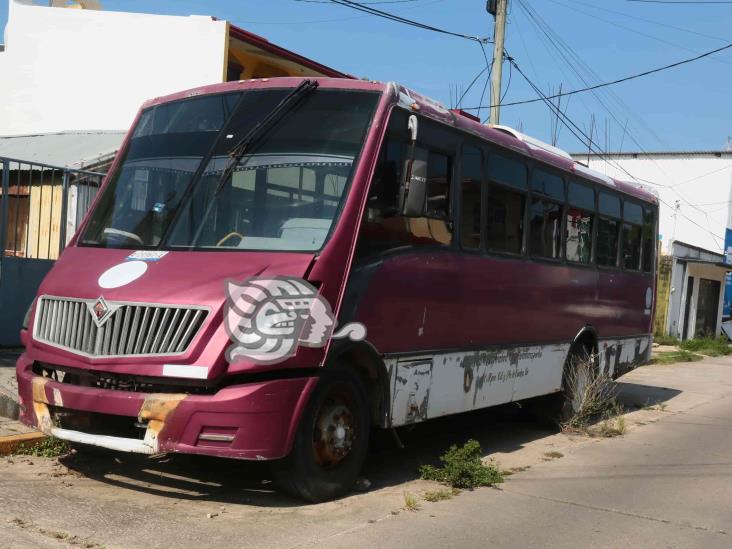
[{"x": 179, "y": 277}]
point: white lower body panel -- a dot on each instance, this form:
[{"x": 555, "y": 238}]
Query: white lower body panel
[{"x": 440, "y": 384}]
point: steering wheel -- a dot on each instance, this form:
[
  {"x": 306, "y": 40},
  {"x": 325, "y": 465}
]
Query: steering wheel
[
  {"x": 124, "y": 234},
  {"x": 228, "y": 236}
]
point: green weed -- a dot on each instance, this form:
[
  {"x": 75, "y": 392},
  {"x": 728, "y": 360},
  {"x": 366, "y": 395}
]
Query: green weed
[
  {"x": 49, "y": 447},
  {"x": 462, "y": 467}
]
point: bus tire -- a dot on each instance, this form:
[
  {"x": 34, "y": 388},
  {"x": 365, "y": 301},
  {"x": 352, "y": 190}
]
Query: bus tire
[
  {"x": 555, "y": 410},
  {"x": 331, "y": 441}
]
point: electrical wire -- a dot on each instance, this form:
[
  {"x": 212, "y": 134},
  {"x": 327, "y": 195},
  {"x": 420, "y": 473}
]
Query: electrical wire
[
  {"x": 613, "y": 82},
  {"x": 575, "y": 130},
  {"x": 510, "y": 74},
  {"x": 651, "y": 21},
  {"x": 673, "y": 44},
  {"x": 678, "y": 2},
  {"x": 577, "y": 65},
  {"x": 398, "y": 19},
  {"x": 363, "y": 3},
  {"x": 470, "y": 86}
]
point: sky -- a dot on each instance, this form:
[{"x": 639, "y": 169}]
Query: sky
[{"x": 572, "y": 43}]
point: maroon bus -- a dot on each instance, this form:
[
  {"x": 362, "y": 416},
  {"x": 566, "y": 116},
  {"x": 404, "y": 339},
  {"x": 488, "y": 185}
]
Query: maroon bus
[{"x": 274, "y": 267}]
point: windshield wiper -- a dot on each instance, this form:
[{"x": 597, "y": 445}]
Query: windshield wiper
[
  {"x": 246, "y": 143},
  {"x": 288, "y": 103}
]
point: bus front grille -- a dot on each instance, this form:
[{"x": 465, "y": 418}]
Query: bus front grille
[{"x": 99, "y": 328}]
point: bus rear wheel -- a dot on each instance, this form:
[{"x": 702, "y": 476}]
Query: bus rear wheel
[
  {"x": 331, "y": 441},
  {"x": 555, "y": 410}
]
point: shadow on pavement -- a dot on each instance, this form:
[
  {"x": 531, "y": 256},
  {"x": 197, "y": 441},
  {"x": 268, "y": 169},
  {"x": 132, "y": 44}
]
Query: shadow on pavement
[{"x": 499, "y": 429}]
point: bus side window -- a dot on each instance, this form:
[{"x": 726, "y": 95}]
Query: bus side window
[
  {"x": 439, "y": 169},
  {"x": 608, "y": 230},
  {"x": 508, "y": 181},
  {"x": 383, "y": 227},
  {"x": 649, "y": 240},
  {"x": 545, "y": 215},
  {"x": 632, "y": 235},
  {"x": 470, "y": 202},
  {"x": 580, "y": 217}
]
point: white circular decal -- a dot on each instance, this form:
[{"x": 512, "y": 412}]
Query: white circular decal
[
  {"x": 122, "y": 274},
  {"x": 649, "y": 298}
]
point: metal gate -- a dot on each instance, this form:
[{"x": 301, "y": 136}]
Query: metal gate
[{"x": 40, "y": 208}]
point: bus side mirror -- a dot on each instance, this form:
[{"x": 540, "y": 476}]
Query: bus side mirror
[{"x": 414, "y": 186}]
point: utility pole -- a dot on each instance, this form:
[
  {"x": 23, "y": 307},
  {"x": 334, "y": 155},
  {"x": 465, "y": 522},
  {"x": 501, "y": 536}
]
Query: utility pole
[{"x": 498, "y": 9}]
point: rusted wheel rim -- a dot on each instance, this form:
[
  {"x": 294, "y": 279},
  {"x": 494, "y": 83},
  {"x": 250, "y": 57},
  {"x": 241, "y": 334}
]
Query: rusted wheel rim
[{"x": 334, "y": 432}]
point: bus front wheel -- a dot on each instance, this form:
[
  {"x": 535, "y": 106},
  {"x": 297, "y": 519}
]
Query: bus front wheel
[{"x": 331, "y": 441}]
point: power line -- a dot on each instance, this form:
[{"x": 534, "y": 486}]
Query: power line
[
  {"x": 651, "y": 21},
  {"x": 363, "y": 3},
  {"x": 572, "y": 127},
  {"x": 678, "y": 2},
  {"x": 398, "y": 19},
  {"x": 638, "y": 32},
  {"x": 618, "y": 81}
]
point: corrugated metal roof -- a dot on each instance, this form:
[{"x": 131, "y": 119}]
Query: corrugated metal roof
[{"x": 65, "y": 149}]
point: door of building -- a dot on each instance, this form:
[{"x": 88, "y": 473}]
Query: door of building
[{"x": 707, "y": 307}]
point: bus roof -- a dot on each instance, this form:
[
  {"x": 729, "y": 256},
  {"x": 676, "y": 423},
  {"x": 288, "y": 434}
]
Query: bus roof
[{"x": 409, "y": 99}]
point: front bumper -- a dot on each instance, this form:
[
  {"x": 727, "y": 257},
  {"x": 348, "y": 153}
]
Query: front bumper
[{"x": 249, "y": 421}]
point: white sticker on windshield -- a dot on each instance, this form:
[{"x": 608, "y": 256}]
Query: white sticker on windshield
[{"x": 146, "y": 255}]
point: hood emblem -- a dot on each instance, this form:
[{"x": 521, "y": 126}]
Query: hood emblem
[{"x": 101, "y": 311}]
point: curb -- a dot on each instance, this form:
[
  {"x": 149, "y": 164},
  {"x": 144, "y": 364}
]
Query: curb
[{"x": 9, "y": 443}]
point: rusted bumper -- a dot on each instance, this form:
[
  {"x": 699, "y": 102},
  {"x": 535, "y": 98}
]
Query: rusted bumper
[{"x": 248, "y": 421}]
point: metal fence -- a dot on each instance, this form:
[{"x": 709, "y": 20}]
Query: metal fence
[{"x": 41, "y": 206}]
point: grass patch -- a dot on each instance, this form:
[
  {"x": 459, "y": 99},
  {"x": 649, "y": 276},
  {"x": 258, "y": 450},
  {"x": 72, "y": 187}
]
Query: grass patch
[
  {"x": 663, "y": 339},
  {"x": 463, "y": 467},
  {"x": 410, "y": 502},
  {"x": 438, "y": 495},
  {"x": 710, "y": 346},
  {"x": 672, "y": 357},
  {"x": 553, "y": 455},
  {"x": 514, "y": 470},
  {"x": 612, "y": 427},
  {"x": 49, "y": 447}
]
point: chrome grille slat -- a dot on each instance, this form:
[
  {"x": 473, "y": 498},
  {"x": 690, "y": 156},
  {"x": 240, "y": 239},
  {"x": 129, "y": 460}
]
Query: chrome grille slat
[
  {"x": 192, "y": 325},
  {"x": 130, "y": 329},
  {"x": 161, "y": 328},
  {"x": 169, "y": 330},
  {"x": 150, "y": 331}
]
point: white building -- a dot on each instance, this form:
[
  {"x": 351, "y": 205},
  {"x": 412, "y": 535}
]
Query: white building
[
  {"x": 694, "y": 187},
  {"x": 696, "y": 293},
  {"x": 87, "y": 70}
]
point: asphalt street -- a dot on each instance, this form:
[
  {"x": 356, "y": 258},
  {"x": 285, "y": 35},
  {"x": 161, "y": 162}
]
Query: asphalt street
[{"x": 665, "y": 483}]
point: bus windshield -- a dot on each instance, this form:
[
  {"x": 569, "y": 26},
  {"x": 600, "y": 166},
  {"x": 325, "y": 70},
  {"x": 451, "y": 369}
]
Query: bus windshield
[{"x": 172, "y": 190}]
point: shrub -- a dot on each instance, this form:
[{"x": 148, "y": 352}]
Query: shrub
[
  {"x": 710, "y": 346},
  {"x": 592, "y": 392},
  {"x": 664, "y": 339},
  {"x": 462, "y": 467}
]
